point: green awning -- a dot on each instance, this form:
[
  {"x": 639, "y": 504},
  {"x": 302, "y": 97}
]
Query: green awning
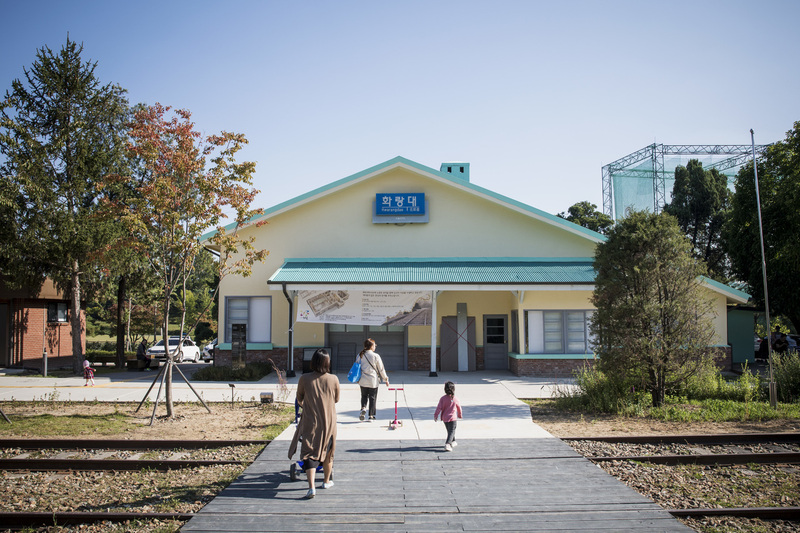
[{"x": 435, "y": 271}]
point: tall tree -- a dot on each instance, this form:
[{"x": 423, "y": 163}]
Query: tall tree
[
  {"x": 188, "y": 184},
  {"x": 652, "y": 321},
  {"x": 700, "y": 201},
  {"x": 779, "y": 189},
  {"x": 586, "y": 214},
  {"x": 61, "y": 131}
]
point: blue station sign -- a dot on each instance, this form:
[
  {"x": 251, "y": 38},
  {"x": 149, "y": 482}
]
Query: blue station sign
[{"x": 394, "y": 204}]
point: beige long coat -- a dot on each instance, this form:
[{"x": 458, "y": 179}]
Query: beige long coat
[{"x": 317, "y": 394}]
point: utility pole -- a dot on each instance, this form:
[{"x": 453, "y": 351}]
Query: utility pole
[{"x": 773, "y": 392}]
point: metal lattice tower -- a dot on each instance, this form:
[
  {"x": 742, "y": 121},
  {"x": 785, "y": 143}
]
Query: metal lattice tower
[{"x": 639, "y": 180}]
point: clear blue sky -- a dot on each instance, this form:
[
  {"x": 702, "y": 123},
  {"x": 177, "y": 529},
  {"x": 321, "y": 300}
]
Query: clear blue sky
[{"x": 537, "y": 96}]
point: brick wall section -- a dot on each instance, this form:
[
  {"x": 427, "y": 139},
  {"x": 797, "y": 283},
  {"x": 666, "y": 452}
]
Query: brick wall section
[
  {"x": 419, "y": 360},
  {"x": 566, "y": 367},
  {"x": 32, "y": 332},
  {"x": 562, "y": 368},
  {"x": 278, "y": 356}
]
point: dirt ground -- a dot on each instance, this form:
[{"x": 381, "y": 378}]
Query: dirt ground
[
  {"x": 565, "y": 425},
  {"x": 247, "y": 420},
  {"x": 243, "y": 421}
]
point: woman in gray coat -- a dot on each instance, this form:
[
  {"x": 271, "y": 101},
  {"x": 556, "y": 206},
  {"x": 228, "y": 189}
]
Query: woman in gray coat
[{"x": 372, "y": 372}]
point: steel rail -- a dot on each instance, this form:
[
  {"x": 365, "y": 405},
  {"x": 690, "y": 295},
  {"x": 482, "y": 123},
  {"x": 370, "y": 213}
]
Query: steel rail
[
  {"x": 710, "y": 459},
  {"x": 33, "y": 519},
  {"x": 720, "y": 438},
  {"x": 58, "y": 465},
  {"x": 775, "y": 513},
  {"x": 119, "y": 444}
]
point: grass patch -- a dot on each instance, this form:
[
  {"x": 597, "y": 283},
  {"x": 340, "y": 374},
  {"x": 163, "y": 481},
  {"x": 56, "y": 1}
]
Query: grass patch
[
  {"x": 682, "y": 410},
  {"x": 74, "y": 425},
  {"x": 722, "y": 411},
  {"x": 286, "y": 412}
]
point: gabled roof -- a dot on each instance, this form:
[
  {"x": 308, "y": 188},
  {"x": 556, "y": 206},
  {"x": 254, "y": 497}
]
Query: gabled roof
[
  {"x": 442, "y": 177},
  {"x": 732, "y": 295}
]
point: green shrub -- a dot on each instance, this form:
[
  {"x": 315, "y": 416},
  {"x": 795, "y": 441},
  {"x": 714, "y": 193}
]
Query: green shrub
[
  {"x": 711, "y": 385},
  {"x": 250, "y": 372},
  {"x": 94, "y": 355},
  {"x": 597, "y": 392},
  {"x": 786, "y": 371},
  {"x": 705, "y": 383},
  {"x": 102, "y": 346}
]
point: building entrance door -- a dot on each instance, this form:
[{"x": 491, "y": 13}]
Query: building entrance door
[
  {"x": 348, "y": 341},
  {"x": 495, "y": 342},
  {"x": 451, "y": 335}
]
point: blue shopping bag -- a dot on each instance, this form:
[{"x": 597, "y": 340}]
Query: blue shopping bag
[{"x": 355, "y": 372}]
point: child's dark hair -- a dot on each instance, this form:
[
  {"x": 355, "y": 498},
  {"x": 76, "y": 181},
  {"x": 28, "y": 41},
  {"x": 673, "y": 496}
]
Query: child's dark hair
[{"x": 450, "y": 388}]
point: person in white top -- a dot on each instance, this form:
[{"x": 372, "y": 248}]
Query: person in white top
[{"x": 372, "y": 373}]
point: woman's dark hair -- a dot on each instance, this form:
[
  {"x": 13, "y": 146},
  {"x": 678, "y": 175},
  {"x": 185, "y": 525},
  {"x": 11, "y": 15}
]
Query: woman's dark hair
[
  {"x": 368, "y": 344},
  {"x": 321, "y": 361},
  {"x": 450, "y": 388}
]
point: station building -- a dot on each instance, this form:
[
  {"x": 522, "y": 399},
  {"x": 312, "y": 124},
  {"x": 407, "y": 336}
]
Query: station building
[{"x": 444, "y": 274}]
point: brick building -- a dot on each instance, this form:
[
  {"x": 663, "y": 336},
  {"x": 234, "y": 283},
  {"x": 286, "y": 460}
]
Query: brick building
[{"x": 32, "y": 324}]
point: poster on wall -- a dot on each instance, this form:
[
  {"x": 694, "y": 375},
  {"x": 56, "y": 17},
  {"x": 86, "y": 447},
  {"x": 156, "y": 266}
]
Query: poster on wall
[{"x": 371, "y": 308}]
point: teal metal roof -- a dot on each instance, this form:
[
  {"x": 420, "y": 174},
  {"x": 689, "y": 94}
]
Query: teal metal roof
[
  {"x": 442, "y": 271},
  {"x": 730, "y": 292}
]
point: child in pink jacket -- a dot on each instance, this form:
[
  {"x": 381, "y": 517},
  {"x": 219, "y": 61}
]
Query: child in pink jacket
[
  {"x": 450, "y": 409},
  {"x": 88, "y": 373}
]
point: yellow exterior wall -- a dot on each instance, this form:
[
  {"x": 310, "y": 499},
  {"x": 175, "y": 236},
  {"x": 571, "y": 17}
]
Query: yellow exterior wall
[
  {"x": 339, "y": 225},
  {"x": 720, "y": 319},
  {"x": 557, "y": 300}
]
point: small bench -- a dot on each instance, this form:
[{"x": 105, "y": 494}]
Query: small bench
[
  {"x": 138, "y": 364},
  {"x": 105, "y": 359}
]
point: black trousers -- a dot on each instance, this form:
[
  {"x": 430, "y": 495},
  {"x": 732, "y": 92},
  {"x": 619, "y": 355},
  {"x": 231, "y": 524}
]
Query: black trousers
[
  {"x": 371, "y": 395},
  {"x": 451, "y": 431}
]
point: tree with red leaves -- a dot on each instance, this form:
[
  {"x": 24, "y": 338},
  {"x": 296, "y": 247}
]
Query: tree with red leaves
[{"x": 187, "y": 185}]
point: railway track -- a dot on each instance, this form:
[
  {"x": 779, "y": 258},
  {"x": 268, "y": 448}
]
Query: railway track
[
  {"x": 63, "y": 447},
  {"x": 715, "y": 438},
  {"x": 106, "y": 460},
  {"x": 708, "y": 450},
  {"x": 120, "y": 444},
  {"x": 37, "y": 519},
  {"x": 725, "y": 449}
]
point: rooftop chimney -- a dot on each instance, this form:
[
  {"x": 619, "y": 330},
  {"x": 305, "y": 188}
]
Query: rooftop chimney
[{"x": 457, "y": 169}]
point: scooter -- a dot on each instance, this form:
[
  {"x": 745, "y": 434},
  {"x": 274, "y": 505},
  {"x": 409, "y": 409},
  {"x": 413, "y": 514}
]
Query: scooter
[{"x": 394, "y": 424}]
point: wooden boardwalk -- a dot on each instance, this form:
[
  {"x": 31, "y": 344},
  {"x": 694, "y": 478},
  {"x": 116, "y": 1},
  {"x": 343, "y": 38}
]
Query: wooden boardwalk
[{"x": 414, "y": 485}]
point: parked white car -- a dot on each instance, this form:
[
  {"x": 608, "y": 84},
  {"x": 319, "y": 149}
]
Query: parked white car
[
  {"x": 209, "y": 351},
  {"x": 186, "y": 350}
]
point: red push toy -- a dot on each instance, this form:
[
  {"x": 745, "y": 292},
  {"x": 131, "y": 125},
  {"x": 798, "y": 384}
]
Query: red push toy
[{"x": 394, "y": 424}]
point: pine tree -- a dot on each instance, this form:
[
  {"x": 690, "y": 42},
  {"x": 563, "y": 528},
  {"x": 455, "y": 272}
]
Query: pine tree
[{"x": 61, "y": 131}]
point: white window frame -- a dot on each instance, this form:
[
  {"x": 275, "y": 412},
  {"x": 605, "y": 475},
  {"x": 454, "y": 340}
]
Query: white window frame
[
  {"x": 538, "y": 335},
  {"x": 257, "y": 316}
]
